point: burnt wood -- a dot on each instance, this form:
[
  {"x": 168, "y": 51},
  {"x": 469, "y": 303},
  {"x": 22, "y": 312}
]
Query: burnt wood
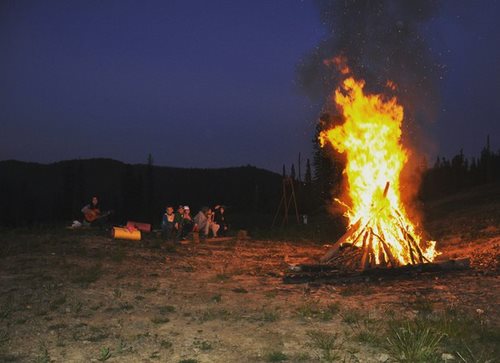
[{"x": 331, "y": 273}]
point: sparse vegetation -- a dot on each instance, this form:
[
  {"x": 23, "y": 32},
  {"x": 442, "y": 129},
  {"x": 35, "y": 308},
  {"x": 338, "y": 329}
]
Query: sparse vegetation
[
  {"x": 240, "y": 290},
  {"x": 204, "y": 345},
  {"x": 160, "y": 320},
  {"x": 118, "y": 254},
  {"x": 216, "y": 298},
  {"x": 222, "y": 277},
  {"x": 104, "y": 354},
  {"x": 213, "y": 314},
  {"x": 276, "y": 357},
  {"x": 166, "y": 344},
  {"x": 86, "y": 276},
  {"x": 269, "y": 316},
  {"x": 413, "y": 343},
  {"x": 4, "y": 337},
  {"x": 313, "y": 309},
  {"x": 327, "y": 344},
  {"x": 353, "y": 316},
  {"x": 166, "y": 309},
  {"x": 43, "y": 355},
  {"x": 139, "y": 316}
]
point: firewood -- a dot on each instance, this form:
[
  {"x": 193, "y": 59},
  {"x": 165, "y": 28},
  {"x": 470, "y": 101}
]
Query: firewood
[
  {"x": 410, "y": 248},
  {"x": 387, "y": 251},
  {"x": 423, "y": 259},
  {"x": 333, "y": 250},
  {"x": 348, "y": 275},
  {"x": 381, "y": 256},
  {"x": 386, "y": 189},
  {"x": 365, "y": 252},
  {"x": 371, "y": 253}
]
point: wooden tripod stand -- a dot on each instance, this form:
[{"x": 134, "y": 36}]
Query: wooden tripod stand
[{"x": 286, "y": 199}]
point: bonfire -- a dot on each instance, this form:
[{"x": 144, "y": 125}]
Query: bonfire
[{"x": 379, "y": 234}]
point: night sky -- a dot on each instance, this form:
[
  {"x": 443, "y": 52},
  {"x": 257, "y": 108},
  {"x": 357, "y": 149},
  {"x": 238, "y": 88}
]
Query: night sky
[{"x": 208, "y": 84}]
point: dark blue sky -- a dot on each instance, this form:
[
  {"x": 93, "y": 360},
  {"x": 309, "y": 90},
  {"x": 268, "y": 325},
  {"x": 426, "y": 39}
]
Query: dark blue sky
[{"x": 205, "y": 84}]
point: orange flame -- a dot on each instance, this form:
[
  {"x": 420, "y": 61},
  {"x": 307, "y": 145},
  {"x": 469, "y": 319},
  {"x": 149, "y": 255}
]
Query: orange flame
[
  {"x": 340, "y": 62},
  {"x": 370, "y": 139}
]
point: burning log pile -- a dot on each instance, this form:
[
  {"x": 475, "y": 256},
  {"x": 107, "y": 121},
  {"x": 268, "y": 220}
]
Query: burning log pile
[
  {"x": 380, "y": 234},
  {"x": 381, "y": 239},
  {"x": 369, "y": 245}
]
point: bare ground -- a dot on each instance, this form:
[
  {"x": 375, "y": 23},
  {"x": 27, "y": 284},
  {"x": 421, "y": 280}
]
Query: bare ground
[{"x": 76, "y": 296}]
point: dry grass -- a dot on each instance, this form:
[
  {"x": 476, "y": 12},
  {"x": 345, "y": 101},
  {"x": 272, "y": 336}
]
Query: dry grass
[{"x": 91, "y": 299}]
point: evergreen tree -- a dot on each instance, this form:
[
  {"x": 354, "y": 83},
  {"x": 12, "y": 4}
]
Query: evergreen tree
[
  {"x": 328, "y": 164},
  {"x": 308, "y": 175},
  {"x": 292, "y": 172}
]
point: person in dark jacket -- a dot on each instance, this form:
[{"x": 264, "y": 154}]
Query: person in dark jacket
[
  {"x": 220, "y": 220},
  {"x": 187, "y": 224}
]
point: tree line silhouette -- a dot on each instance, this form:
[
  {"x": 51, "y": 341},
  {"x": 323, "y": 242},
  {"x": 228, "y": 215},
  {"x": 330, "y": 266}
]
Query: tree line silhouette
[
  {"x": 445, "y": 177},
  {"x": 34, "y": 193},
  {"x": 459, "y": 173}
]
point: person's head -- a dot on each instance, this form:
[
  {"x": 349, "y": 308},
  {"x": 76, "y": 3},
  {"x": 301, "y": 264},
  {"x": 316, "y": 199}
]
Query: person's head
[
  {"x": 94, "y": 201},
  {"x": 180, "y": 210},
  {"x": 221, "y": 209},
  {"x": 169, "y": 209},
  {"x": 186, "y": 210},
  {"x": 204, "y": 210}
]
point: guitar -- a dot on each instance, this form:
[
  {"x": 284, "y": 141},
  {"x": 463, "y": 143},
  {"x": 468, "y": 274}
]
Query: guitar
[{"x": 92, "y": 215}]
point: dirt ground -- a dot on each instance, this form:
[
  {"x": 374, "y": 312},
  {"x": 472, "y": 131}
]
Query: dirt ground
[{"x": 81, "y": 296}]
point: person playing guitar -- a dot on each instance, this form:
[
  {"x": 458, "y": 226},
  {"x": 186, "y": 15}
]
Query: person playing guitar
[{"x": 92, "y": 214}]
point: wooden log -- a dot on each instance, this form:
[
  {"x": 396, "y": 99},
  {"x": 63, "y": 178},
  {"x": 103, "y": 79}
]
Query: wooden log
[
  {"x": 381, "y": 256},
  {"x": 404, "y": 272},
  {"x": 423, "y": 259},
  {"x": 410, "y": 249},
  {"x": 386, "y": 247},
  {"x": 408, "y": 236},
  {"x": 333, "y": 250},
  {"x": 371, "y": 253},
  {"x": 362, "y": 262},
  {"x": 386, "y": 189},
  {"x": 311, "y": 268}
]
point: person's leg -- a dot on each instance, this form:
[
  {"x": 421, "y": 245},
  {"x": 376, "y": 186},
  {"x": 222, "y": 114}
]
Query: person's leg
[
  {"x": 206, "y": 229},
  {"x": 169, "y": 231},
  {"x": 186, "y": 229},
  {"x": 215, "y": 228}
]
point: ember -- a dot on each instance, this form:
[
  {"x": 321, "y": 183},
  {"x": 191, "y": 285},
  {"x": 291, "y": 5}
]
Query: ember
[{"x": 380, "y": 233}]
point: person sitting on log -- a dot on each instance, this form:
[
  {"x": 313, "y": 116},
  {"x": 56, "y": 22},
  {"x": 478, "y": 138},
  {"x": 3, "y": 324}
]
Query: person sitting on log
[
  {"x": 220, "y": 220},
  {"x": 187, "y": 224},
  {"x": 179, "y": 214},
  {"x": 204, "y": 223},
  {"x": 168, "y": 223}
]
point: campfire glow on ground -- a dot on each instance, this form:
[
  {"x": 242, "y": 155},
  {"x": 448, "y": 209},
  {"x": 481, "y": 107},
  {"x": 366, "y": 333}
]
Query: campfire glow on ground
[{"x": 370, "y": 138}]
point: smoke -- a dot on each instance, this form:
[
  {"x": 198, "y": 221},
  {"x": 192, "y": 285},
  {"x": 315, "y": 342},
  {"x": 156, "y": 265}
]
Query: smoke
[{"x": 382, "y": 41}]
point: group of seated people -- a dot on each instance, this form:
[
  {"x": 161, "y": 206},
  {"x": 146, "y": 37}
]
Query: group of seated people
[
  {"x": 175, "y": 225},
  {"x": 207, "y": 222}
]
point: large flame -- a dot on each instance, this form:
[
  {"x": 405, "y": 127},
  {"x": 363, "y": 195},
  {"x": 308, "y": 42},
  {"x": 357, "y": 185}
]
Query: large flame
[{"x": 370, "y": 137}]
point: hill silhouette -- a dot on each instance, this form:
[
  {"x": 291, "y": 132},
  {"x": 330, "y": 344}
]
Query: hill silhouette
[{"x": 33, "y": 193}]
